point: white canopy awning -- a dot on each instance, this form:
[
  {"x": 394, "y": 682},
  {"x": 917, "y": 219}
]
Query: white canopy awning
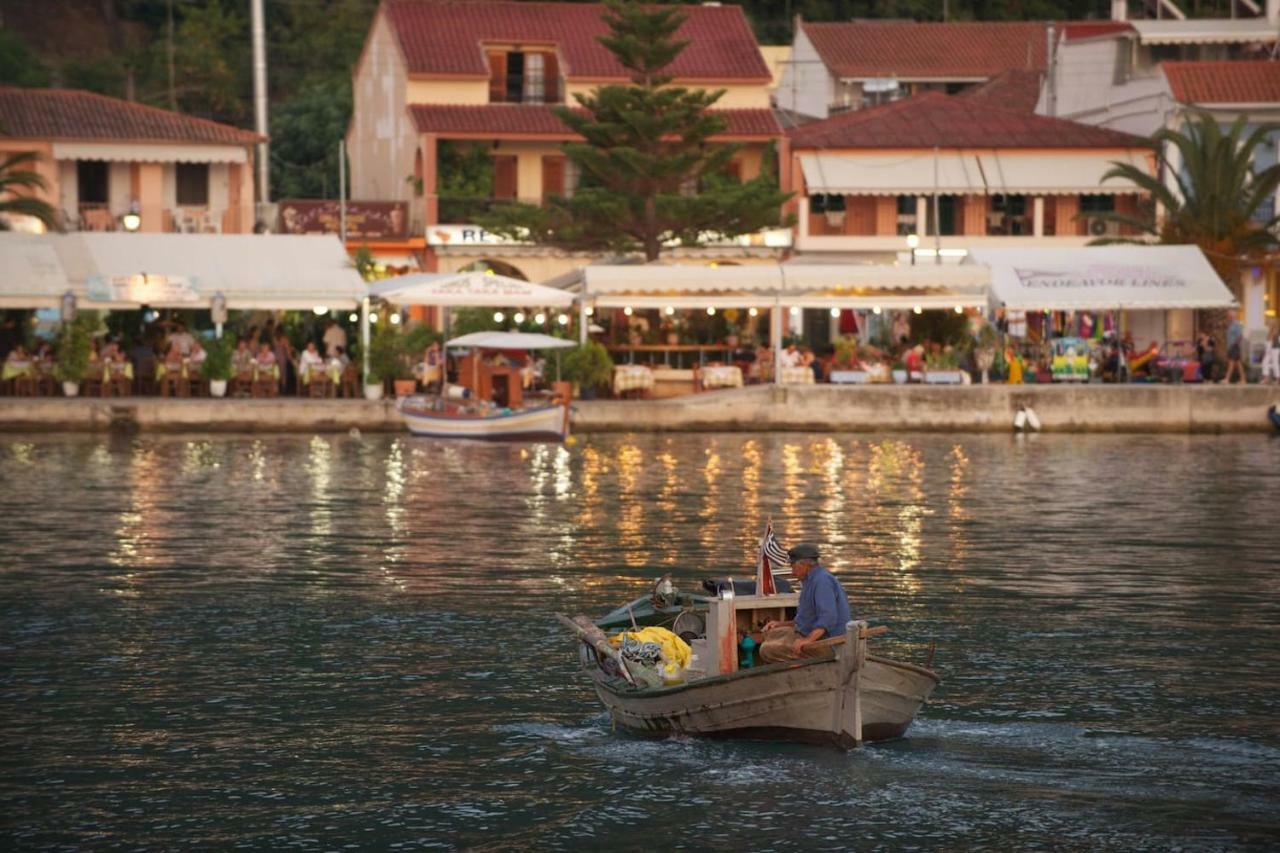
[
  {"x": 468, "y": 289},
  {"x": 510, "y": 340},
  {"x": 1204, "y": 30},
  {"x": 966, "y": 173},
  {"x": 252, "y": 271},
  {"x": 31, "y": 275},
  {"x": 1103, "y": 278},
  {"x": 144, "y": 152},
  {"x": 806, "y": 285}
]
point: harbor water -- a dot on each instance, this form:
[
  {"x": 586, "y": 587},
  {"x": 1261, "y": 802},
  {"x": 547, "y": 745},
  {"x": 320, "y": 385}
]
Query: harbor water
[{"x": 339, "y": 642}]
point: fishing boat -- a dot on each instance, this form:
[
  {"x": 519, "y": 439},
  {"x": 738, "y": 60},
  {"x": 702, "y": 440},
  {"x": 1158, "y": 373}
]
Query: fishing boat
[
  {"x": 1274, "y": 417},
  {"x": 456, "y": 413},
  {"x": 842, "y": 696}
]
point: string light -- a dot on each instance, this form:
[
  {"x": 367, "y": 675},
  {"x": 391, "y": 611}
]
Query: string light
[
  {"x": 354, "y": 318},
  {"x": 590, "y": 311},
  {"x": 711, "y": 312},
  {"x": 540, "y": 318},
  {"x": 627, "y": 310},
  {"x": 959, "y": 309},
  {"x": 518, "y": 317},
  {"x": 669, "y": 310},
  {"x": 498, "y": 316},
  {"x": 753, "y": 311},
  {"x": 563, "y": 319},
  {"x": 876, "y": 310},
  {"x": 395, "y": 319},
  {"x": 917, "y": 310},
  {"x": 835, "y": 312}
]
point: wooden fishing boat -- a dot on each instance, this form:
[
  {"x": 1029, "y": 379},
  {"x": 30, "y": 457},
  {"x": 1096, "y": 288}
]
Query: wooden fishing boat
[
  {"x": 843, "y": 696},
  {"x": 428, "y": 416},
  {"x": 1274, "y": 417}
]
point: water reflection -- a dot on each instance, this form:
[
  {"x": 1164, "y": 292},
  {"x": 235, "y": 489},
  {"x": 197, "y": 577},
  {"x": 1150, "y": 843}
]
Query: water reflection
[{"x": 285, "y": 628}]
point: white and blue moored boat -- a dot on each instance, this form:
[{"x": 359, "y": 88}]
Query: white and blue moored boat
[{"x": 447, "y": 416}]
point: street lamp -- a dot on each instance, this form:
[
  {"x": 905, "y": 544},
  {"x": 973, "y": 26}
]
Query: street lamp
[
  {"x": 132, "y": 219},
  {"x": 913, "y": 240}
]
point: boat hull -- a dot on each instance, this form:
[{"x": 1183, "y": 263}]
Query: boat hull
[
  {"x": 548, "y": 423},
  {"x": 802, "y": 701}
]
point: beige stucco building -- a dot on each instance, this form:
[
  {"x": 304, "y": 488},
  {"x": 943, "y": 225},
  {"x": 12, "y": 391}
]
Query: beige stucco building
[
  {"x": 437, "y": 81},
  {"x": 103, "y": 158}
]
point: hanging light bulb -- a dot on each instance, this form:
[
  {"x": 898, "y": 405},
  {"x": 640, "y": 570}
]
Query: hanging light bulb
[
  {"x": 590, "y": 310},
  {"x": 795, "y": 312},
  {"x": 959, "y": 309},
  {"x": 395, "y": 319},
  {"x": 539, "y": 318},
  {"x": 754, "y": 312},
  {"x": 711, "y": 311},
  {"x": 876, "y": 310},
  {"x": 917, "y": 310},
  {"x": 498, "y": 316},
  {"x": 669, "y": 310},
  {"x": 518, "y": 317},
  {"x": 373, "y": 319},
  {"x": 627, "y": 310},
  {"x": 354, "y": 318},
  {"x": 835, "y": 312},
  {"x": 563, "y": 319}
]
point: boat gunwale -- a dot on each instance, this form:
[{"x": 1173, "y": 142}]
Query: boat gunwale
[
  {"x": 440, "y": 416},
  {"x": 615, "y": 685}
]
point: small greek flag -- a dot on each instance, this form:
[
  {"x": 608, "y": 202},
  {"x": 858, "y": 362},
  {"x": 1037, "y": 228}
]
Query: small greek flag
[{"x": 772, "y": 560}]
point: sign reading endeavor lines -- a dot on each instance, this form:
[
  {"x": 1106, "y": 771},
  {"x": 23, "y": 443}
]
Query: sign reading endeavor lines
[{"x": 1126, "y": 277}]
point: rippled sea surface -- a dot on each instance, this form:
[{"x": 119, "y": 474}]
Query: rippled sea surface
[{"x": 344, "y": 642}]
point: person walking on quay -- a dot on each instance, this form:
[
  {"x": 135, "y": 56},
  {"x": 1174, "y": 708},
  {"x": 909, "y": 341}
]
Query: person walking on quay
[
  {"x": 1235, "y": 339},
  {"x": 1271, "y": 358},
  {"x": 823, "y": 611}
]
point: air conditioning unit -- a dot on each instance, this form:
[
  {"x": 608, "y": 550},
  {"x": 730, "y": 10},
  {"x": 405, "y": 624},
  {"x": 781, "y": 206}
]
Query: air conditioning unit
[{"x": 1102, "y": 228}]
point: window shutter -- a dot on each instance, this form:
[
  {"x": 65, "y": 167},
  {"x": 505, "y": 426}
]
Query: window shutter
[
  {"x": 504, "y": 177},
  {"x": 552, "y": 177},
  {"x": 551, "y": 71},
  {"x": 497, "y": 77}
]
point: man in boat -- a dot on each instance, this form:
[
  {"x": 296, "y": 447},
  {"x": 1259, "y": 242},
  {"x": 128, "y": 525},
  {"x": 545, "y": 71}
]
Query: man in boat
[{"x": 822, "y": 614}]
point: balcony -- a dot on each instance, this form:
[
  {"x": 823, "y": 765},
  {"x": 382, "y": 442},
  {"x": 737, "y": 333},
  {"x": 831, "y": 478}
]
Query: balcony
[{"x": 91, "y": 217}]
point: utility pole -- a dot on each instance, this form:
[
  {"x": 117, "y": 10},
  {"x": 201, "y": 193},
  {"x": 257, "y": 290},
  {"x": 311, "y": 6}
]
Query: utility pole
[
  {"x": 259, "y": 28},
  {"x": 342, "y": 190},
  {"x": 173, "y": 77}
]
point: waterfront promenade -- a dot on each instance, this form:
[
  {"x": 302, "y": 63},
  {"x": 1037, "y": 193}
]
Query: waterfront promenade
[{"x": 974, "y": 408}]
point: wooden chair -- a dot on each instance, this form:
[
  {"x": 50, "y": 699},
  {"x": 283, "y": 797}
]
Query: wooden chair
[
  {"x": 117, "y": 384},
  {"x": 321, "y": 385},
  {"x": 350, "y": 381},
  {"x": 25, "y": 385},
  {"x": 265, "y": 385},
  {"x": 91, "y": 383},
  {"x": 174, "y": 384}
]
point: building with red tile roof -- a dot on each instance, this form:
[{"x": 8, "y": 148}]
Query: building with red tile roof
[
  {"x": 1239, "y": 84},
  {"x": 103, "y": 157},
  {"x": 439, "y": 77},
  {"x": 1015, "y": 90},
  {"x": 1000, "y": 176},
  {"x": 848, "y": 65}
]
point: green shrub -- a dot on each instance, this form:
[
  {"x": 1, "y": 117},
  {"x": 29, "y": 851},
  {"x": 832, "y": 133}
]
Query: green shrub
[
  {"x": 72, "y": 347},
  {"x": 217, "y": 361},
  {"x": 384, "y": 355},
  {"x": 589, "y": 365}
]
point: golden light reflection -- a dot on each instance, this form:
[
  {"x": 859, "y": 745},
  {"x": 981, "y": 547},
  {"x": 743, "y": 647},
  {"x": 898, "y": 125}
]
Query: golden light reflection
[
  {"x": 792, "y": 480},
  {"x": 829, "y": 459},
  {"x": 320, "y": 467},
  {"x": 592, "y": 468},
  {"x": 632, "y": 536},
  {"x": 957, "y": 504},
  {"x": 752, "y": 461},
  {"x": 709, "y": 529}
]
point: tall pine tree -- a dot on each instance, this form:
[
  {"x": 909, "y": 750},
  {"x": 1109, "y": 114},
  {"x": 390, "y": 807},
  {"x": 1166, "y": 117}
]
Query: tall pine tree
[{"x": 648, "y": 170}]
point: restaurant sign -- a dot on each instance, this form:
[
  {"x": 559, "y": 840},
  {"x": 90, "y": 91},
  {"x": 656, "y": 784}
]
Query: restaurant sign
[
  {"x": 144, "y": 289},
  {"x": 368, "y": 220},
  {"x": 1098, "y": 277},
  {"x": 474, "y": 235}
]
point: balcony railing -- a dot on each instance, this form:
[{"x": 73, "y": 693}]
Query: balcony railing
[{"x": 92, "y": 217}]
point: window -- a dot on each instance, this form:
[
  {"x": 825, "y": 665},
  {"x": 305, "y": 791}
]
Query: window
[
  {"x": 1097, "y": 204},
  {"x": 523, "y": 77},
  {"x": 946, "y": 215},
  {"x": 92, "y": 185},
  {"x": 906, "y": 217},
  {"x": 821, "y": 203},
  {"x": 1008, "y": 216},
  {"x": 193, "y": 184}
]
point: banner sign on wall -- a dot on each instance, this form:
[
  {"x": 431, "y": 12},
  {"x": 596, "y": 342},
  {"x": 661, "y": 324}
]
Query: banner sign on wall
[
  {"x": 144, "y": 289},
  {"x": 369, "y": 220}
]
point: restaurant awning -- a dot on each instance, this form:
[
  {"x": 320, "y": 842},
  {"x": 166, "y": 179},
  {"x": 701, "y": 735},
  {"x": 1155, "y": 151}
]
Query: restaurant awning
[
  {"x": 510, "y": 340},
  {"x": 468, "y": 289},
  {"x": 804, "y": 285},
  {"x": 1103, "y": 278},
  {"x": 31, "y": 275},
  {"x": 967, "y": 173},
  {"x": 125, "y": 271}
]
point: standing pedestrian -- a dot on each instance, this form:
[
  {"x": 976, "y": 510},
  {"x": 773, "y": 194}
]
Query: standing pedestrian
[
  {"x": 1235, "y": 339},
  {"x": 1271, "y": 358}
]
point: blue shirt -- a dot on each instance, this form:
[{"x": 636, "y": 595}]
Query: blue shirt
[{"x": 823, "y": 604}]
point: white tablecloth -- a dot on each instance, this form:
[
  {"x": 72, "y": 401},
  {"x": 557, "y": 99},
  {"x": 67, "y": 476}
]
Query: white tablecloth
[
  {"x": 722, "y": 376},
  {"x": 632, "y": 377},
  {"x": 796, "y": 375}
]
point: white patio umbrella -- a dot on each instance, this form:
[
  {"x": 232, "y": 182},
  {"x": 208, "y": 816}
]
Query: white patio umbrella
[{"x": 468, "y": 290}]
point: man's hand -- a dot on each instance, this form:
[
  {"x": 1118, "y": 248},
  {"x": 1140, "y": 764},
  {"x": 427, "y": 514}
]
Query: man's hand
[{"x": 799, "y": 644}]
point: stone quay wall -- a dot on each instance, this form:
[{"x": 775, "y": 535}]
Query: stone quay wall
[{"x": 828, "y": 408}]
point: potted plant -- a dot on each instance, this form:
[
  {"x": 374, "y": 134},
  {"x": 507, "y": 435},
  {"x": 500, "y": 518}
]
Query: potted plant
[
  {"x": 384, "y": 362},
  {"x": 984, "y": 354},
  {"x": 899, "y": 373},
  {"x": 217, "y": 365},
  {"x": 73, "y": 352},
  {"x": 589, "y": 367}
]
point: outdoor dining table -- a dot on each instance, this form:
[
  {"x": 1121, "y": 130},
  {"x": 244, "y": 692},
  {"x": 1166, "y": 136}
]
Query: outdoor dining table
[
  {"x": 631, "y": 377},
  {"x": 801, "y": 375},
  {"x": 721, "y": 376},
  {"x": 16, "y": 370}
]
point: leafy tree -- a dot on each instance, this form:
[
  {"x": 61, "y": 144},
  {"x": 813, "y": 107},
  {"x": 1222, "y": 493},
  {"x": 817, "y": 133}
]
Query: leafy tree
[
  {"x": 305, "y": 131},
  {"x": 18, "y": 179},
  {"x": 18, "y": 66},
  {"x": 645, "y": 148},
  {"x": 1215, "y": 196}
]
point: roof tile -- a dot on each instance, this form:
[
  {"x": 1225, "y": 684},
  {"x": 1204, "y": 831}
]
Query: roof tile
[
  {"x": 75, "y": 114},
  {"x": 540, "y": 120},
  {"x": 908, "y": 50},
  {"x": 1224, "y": 82},
  {"x": 933, "y": 120},
  {"x": 1016, "y": 89},
  {"x": 446, "y": 37}
]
